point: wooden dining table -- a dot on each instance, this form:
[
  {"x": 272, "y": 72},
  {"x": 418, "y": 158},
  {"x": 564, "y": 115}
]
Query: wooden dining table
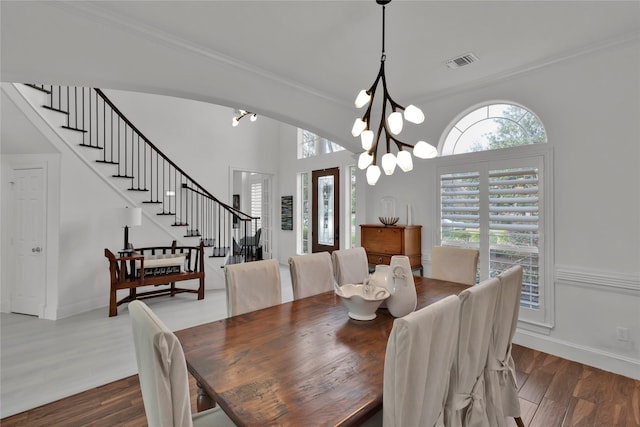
[{"x": 304, "y": 362}]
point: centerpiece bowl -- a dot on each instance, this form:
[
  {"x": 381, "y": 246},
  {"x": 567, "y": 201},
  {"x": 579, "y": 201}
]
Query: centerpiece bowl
[{"x": 361, "y": 300}]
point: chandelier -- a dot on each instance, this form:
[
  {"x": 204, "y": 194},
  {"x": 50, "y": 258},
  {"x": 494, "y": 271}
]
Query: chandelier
[
  {"x": 242, "y": 114},
  {"x": 391, "y": 127}
]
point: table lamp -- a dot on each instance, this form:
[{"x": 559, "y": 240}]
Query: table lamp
[{"x": 130, "y": 217}]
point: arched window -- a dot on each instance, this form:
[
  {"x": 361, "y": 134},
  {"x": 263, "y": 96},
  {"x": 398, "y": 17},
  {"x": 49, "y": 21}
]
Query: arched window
[
  {"x": 492, "y": 127},
  {"x": 499, "y": 203}
]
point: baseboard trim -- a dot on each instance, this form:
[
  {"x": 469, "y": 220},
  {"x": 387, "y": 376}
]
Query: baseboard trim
[{"x": 622, "y": 365}]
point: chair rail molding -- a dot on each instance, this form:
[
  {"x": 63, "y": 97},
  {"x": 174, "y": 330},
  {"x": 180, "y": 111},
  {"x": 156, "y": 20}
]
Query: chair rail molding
[{"x": 627, "y": 283}]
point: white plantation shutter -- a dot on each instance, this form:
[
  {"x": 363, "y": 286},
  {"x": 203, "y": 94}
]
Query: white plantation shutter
[
  {"x": 496, "y": 209},
  {"x": 514, "y": 227},
  {"x": 256, "y": 205}
]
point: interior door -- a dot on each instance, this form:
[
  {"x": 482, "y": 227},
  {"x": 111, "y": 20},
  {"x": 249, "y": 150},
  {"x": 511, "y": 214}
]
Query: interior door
[
  {"x": 27, "y": 294},
  {"x": 326, "y": 210}
]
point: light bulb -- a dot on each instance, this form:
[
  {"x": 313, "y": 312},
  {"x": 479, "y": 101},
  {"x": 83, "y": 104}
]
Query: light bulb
[
  {"x": 388, "y": 163},
  {"x": 365, "y": 160},
  {"x": 395, "y": 122},
  {"x": 358, "y": 126},
  {"x": 413, "y": 114},
  {"x": 234, "y": 122},
  {"x": 367, "y": 139},
  {"x": 405, "y": 162},
  {"x": 362, "y": 99},
  {"x": 424, "y": 150},
  {"x": 253, "y": 118},
  {"x": 373, "y": 173}
]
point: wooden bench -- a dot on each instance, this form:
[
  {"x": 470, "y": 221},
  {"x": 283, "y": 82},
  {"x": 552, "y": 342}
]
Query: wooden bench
[{"x": 165, "y": 265}]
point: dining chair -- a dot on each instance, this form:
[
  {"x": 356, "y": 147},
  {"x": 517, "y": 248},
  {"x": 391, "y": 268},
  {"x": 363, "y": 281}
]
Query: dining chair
[
  {"x": 252, "y": 286},
  {"x": 500, "y": 372},
  {"x": 466, "y": 405},
  {"x": 162, "y": 371},
  {"x": 350, "y": 265},
  {"x": 417, "y": 365},
  {"x": 311, "y": 274},
  {"x": 454, "y": 264}
]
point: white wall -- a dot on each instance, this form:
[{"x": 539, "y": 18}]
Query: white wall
[{"x": 590, "y": 106}]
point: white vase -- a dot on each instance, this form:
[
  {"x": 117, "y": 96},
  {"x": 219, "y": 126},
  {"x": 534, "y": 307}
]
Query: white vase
[
  {"x": 381, "y": 277},
  {"x": 403, "y": 297}
]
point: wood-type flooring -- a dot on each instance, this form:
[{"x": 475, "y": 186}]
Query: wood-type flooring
[{"x": 554, "y": 392}]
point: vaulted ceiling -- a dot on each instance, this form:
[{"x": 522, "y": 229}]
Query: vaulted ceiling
[{"x": 301, "y": 62}]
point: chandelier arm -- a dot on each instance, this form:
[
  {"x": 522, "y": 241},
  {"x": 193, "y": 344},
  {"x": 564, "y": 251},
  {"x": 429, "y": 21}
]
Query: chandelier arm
[
  {"x": 374, "y": 147},
  {"x": 399, "y": 143}
]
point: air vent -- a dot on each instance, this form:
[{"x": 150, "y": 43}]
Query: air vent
[{"x": 462, "y": 60}]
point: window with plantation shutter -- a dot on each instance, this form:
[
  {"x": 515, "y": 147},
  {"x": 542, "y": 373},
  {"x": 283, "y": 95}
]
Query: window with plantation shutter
[
  {"x": 491, "y": 198},
  {"x": 256, "y": 205},
  {"x": 496, "y": 210}
]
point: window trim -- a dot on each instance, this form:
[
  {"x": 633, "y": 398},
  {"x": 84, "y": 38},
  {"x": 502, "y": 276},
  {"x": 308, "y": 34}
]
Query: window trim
[{"x": 544, "y": 320}]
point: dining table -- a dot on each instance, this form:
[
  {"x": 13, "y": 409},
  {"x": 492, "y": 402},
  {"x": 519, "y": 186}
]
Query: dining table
[{"x": 300, "y": 363}]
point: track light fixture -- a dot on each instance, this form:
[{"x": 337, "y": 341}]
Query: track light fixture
[
  {"x": 391, "y": 127},
  {"x": 241, "y": 115}
]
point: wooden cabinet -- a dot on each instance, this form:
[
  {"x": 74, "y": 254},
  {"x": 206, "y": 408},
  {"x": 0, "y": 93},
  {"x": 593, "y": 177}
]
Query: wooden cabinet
[{"x": 382, "y": 242}]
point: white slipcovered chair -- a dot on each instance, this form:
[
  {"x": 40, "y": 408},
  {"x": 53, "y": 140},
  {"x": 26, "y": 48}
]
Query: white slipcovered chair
[
  {"x": 500, "y": 372},
  {"x": 350, "y": 265},
  {"x": 454, "y": 264},
  {"x": 417, "y": 365},
  {"x": 162, "y": 371},
  {"x": 466, "y": 402},
  {"x": 252, "y": 286},
  {"x": 311, "y": 274}
]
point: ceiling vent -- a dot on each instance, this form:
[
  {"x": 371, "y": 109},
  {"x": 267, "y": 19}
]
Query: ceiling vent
[{"x": 462, "y": 60}]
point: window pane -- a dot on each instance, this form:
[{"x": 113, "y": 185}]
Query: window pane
[
  {"x": 325, "y": 210},
  {"x": 305, "y": 212},
  {"x": 310, "y": 145},
  {"x": 493, "y": 127},
  {"x": 352, "y": 216}
]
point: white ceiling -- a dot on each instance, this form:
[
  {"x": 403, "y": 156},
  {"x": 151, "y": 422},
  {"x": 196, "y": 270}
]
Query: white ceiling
[{"x": 302, "y": 62}]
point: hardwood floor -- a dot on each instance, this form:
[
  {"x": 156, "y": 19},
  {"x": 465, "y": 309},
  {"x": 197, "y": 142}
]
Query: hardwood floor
[{"x": 554, "y": 392}]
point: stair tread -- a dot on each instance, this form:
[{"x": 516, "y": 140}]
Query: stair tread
[
  {"x": 75, "y": 129},
  {"x": 91, "y": 146},
  {"x": 55, "y": 109}
]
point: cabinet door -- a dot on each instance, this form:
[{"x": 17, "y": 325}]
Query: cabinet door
[{"x": 383, "y": 240}]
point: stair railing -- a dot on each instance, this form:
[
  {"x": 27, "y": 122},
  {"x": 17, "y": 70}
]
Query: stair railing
[{"x": 104, "y": 127}]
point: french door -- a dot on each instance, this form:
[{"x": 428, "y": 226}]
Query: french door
[{"x": 326, "y": 210}]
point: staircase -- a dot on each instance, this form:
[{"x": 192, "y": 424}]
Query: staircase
[{"x": 138, "y": 166}]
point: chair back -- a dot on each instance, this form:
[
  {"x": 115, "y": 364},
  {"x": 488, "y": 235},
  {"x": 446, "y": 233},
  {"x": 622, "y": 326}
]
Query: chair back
[
  {"x": 252, "y": 286},
  {"x": 417, "y": 364},
  {"x": 162, "y": 369},
  {"x": 466, "y": 400},
  {"x": 350, "y": 265},
  {"x": 500, "y": 375},
  {"x": 311, "y": 274},
  {"x": 454, "y": 264}
]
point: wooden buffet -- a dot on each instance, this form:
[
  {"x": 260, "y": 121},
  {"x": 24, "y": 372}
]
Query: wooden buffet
[{"x": 382, "y": 242}]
